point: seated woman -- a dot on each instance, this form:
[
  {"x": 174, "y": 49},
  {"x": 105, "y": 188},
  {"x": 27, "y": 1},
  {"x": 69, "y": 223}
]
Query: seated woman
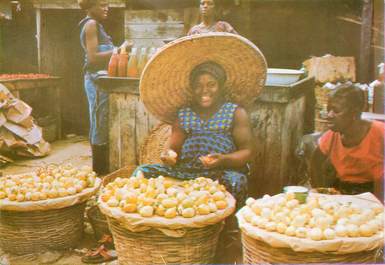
[
  {"x": 209, "y": 22},
  {"x": 211, "y": 137},
  {"x": 355, "y": 147}
]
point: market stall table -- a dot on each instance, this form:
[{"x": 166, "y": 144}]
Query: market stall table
[
  {"x": 277, "y": 119},
  {"x": 43, "y": 95},
  {"x": 129, "y": 122}
]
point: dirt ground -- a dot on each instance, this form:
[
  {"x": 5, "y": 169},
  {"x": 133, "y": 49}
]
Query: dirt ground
[{"x": 74, "y": 150}]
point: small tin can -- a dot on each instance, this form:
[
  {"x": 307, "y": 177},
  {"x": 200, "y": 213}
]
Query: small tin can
[{"x": 300, "y": 192}]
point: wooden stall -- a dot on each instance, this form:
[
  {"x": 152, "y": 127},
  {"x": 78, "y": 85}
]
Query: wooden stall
[
  {"x": 277, "y": 120},
  {"x": 278, "y": 125},
  {"x": 59, "y": 52},
  {"x": 129, "y": 122},
  {"x": 43, "y": 95}
]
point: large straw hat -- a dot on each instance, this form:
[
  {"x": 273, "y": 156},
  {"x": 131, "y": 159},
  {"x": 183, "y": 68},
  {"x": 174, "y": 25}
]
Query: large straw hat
[{"x": 164, "y": 84}]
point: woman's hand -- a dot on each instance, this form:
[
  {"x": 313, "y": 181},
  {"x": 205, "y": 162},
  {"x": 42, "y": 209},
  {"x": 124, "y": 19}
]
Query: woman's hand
[
  {"x": 126, "y": 44},
  {"x": 169, "y": 157},
  {"x": 213, "y": 160}
]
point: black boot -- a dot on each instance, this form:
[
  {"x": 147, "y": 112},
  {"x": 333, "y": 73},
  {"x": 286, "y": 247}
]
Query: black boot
[{"x": 100, "y": 159}]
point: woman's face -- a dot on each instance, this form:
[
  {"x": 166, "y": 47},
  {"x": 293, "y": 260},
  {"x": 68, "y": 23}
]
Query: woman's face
[
  {"x": 207, "y": 8},
  {"x": 339, "y": 117},
  {"x": 100, "y": 10},
  {"x": 206, "y": 91}
]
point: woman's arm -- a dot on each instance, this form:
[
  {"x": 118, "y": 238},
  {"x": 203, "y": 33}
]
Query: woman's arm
[
  {"x": 243, "y": 139},
  {"x": 316, "y": 171},
  {"x": 177, "y": 138},
  {"x": 91, "y": 42},
  {"x": 174, "y": 143},
  {"x": 379, "y": 189}
]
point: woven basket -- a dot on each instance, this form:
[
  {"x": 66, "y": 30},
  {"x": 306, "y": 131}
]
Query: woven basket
[
  {"x": 197, "y": 246},
  {"x": 97, "y": 219},
  {"x": 39, "y": 231},
  {"x": 258, "y": 252},
  {"x": 98, "y": 222},
  {"x": 154, "y": 144}
]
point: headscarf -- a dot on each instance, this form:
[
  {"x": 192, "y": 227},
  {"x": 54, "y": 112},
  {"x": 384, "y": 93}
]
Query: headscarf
[{"x": 211, "y": 68}]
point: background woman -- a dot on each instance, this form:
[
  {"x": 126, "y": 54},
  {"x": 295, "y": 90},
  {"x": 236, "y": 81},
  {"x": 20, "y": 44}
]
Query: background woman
[
  {"x": 355, "y": 147},
  {"x": 98, "y": 47},
  {"x": 209, "y": 10}
]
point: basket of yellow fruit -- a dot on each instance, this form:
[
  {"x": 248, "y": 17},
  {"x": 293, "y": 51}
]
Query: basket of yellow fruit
[
  {"x": 44, "y": 210},
  {"x": 165, "y": 221},
  {"x": 324, "y": 229}
]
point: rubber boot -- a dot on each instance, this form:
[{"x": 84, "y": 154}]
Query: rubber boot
[{"x": 100, "y": 159}]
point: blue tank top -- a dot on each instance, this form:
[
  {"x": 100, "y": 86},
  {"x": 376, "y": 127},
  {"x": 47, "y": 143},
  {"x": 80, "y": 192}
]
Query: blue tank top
[{"x": 105, "y": 43}]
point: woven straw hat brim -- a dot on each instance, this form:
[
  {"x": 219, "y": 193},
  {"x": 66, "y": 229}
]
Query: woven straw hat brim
[{"x": 164, "y": 84}]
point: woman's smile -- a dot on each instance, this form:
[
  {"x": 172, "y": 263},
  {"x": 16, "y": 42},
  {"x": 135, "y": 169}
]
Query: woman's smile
[{"x": 206, "y": 91}]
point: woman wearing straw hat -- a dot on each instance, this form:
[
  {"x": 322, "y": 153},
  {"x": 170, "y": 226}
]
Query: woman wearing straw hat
[
  {"x": 202, "y": 84},
  {"x": 209, "y": 19}
]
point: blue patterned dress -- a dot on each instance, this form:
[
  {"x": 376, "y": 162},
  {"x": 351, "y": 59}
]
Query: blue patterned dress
[{"x": 203, "y": 138}]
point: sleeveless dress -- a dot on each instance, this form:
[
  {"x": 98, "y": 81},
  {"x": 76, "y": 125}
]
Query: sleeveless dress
[
  {"x": 219, "y": 26},
  {"x": 203, "y": 138},
  {"x": 97, "y": 99}
]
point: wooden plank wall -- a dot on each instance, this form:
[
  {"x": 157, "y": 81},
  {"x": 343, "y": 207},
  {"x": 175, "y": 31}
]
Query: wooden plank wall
[
  {"x": 289, "y": 32},
  {"x": 378, "y": 34},
  {"x": 150, "y": 27},
  {"x": 277, "y": 128},
  {"x": 129, "y": 125},
  {"x": 19, "y": 41},
  {"x": 61, "y": 55}
]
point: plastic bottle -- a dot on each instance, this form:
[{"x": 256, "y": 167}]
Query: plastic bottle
[
  {"x": 113, "y": 64},
  {"x": 151, "y": 53},
  {"x": 132, "y": 66},
  {"x": 122, "y": 64},
  {"x": 379, "y": 91},
  {"x": 143, "y": 60}
]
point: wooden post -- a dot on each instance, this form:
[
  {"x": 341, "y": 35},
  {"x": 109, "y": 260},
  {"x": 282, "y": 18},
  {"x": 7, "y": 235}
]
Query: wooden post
[
  {"x": 366, "y": 37},
  {"x": 38, "y": 35}
]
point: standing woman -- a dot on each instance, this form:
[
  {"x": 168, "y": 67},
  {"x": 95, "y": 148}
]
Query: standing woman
[
  {"x": 209, "y": 10},
  {"x": 98, "y": 48}
]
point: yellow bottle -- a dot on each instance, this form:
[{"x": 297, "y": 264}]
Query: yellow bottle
[
  {"x": 143, "y": 60},
  {"x": 132, "y": 66}
]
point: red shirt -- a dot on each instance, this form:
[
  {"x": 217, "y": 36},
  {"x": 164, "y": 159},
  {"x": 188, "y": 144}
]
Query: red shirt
[{"x": 361, "y": 163}]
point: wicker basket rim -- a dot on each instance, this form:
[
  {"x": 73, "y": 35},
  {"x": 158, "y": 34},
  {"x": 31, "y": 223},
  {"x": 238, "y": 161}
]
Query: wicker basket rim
[
  {"x": 338, "y": 245},
  {"x": 134, "y": 221},
  {"x": 51, "y": 204}
]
